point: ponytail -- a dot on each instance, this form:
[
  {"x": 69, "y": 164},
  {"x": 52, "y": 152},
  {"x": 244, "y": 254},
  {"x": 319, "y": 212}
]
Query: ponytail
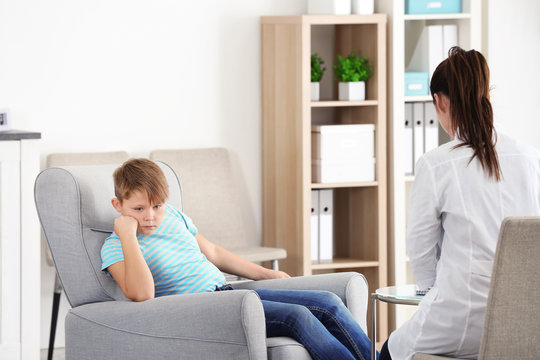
[{"x": 464, "y": 78}]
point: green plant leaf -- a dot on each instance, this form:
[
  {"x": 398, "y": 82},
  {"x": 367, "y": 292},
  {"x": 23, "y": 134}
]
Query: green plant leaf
[
  {"x": 317, "y": 70},
  {"x": 352, "y": 68}
]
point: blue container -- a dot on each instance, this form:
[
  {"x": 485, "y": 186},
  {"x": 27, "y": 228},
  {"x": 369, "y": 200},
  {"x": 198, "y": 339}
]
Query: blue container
[
  {"x": 416, "y": 83},
  {"x": 432, "y": 6}
]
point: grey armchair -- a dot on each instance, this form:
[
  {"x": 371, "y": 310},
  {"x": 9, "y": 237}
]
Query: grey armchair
[
  {"x": 67, "y": 159},
  {"x": 512, "y": 322},
  {"x": 74, "y": 208}
]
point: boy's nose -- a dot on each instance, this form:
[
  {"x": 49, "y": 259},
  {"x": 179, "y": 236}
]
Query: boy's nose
[{"x": 149, "y": 215}]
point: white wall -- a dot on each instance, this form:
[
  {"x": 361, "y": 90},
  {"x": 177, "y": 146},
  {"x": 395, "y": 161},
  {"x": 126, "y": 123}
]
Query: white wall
[
  {"x": 513, "y": 53},
  {"x": 137, "y": 75}
]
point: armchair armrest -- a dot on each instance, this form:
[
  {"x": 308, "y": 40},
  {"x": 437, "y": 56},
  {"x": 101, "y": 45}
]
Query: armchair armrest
[
  {"x": 351, "y": 287},
  {"x": 227, "y": 324}
]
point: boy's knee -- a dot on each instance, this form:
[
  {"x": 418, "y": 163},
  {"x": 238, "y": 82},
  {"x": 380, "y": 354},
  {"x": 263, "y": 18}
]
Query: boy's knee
[
  {"x": 331, "y": 299},
  {"x": 298, "y": 313}
]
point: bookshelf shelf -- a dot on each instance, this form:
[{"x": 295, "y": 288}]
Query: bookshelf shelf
[
  {"x": 413, "y": 17},
  {"x": 345, "y": 263},
  {"x": 359, "y": 217},
  {"x": 422, "y": 98},
  {"x": 332, "y": 103},
  {"x": 344, "y": 185}
]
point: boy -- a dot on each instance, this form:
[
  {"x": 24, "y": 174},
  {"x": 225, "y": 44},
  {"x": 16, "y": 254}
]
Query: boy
[{"x": 155, "y": 250}]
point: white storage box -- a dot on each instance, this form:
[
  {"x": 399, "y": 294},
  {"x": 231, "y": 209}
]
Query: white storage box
[
  {"x": 329, "y": 7},
  {"x": 335, "y": 171},
  {"x": 339, "y": 142}
]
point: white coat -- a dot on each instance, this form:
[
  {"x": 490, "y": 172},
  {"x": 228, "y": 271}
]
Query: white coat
[{"x": 454, "y": 220}]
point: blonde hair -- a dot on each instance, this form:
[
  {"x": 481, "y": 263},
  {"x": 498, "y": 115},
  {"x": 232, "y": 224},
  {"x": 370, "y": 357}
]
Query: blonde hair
[{"x": 141, "y": 175}]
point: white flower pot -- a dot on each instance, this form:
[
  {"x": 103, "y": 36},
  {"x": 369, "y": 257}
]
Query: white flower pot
[
  {"x": 363, "y": 7},
  {"x": 315, "y": 91},
  {"x": 352, "y": 91}
]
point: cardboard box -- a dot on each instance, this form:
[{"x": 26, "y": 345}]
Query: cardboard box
[
  {"x": 335, "y": 171},
  {"x": 329, "y": 7},
  {"x": 338, "y": 142},
  {"x": 432, "y": 6},
  {"x": 416, "y": 83}
]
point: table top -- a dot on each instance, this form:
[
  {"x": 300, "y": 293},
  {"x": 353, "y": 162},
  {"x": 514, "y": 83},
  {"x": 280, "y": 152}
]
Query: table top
[
  {"x": 18, "y": 135},
  {"x": 402, "y": 294}
]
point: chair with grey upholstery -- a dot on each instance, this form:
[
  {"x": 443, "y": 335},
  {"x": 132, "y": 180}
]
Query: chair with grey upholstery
[
  {"x": 74, "y": 208},
  {"x": 63, "y": 159},
  {"x": 512, "y": 322},
  {"x": 212, "y": 198}
]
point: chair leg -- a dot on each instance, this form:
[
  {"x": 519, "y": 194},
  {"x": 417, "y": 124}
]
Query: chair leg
[{"x": 54, "y": 316}]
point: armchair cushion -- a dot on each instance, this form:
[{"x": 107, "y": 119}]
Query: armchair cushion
[{"x": 222, "y": 325}]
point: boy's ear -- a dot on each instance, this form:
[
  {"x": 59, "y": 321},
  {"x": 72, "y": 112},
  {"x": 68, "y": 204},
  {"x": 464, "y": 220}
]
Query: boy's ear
[{"x": 117, "y": 205}]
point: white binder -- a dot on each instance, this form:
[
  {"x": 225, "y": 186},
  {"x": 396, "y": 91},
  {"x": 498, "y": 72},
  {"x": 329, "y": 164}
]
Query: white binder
[
  {"x": 418, "y": 130},
  {"x": 450, "y": 38},
  {"x": 326, "y": 225},
  {"x": 435, "y": 47},
  {"x": 315, "y": 226},
  {"x": 409, "y": 144},
  {"x": 431, "y": 125}
]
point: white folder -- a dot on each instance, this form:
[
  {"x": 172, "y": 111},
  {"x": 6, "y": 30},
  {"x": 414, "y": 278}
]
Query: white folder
[
  {"x": 418, "y": 130},
  {"x": 431, "y": 125},
  {"x": 409, "y": 144},
  {"x": 435, "y": 47},
  {"x": 315, "y": 226},
  {"x": 326, "y": 225},
  {"x": 450, "y": 38}
]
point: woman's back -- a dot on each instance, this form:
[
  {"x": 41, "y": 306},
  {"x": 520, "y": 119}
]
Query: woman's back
[
  {"x": 456, "y": 214},
  {"x": 470, "y": 198}
]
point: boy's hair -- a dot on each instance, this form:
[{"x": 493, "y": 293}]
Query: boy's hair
[{"x": 141, "y": 175}]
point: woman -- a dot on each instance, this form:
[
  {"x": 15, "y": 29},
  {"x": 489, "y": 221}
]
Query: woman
[{"x": 462, "y": 192}]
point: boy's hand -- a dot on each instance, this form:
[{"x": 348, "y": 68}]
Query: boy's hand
[
  {"x": 125, "y": 226},
  {"x": 275, "y": 274}
]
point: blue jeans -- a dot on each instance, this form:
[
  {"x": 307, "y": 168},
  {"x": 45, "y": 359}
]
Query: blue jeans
[{"x": 316, "y": 319}]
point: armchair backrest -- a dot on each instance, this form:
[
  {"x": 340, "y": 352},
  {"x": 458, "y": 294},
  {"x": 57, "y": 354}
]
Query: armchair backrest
[
  {"x": 512, "y": 322},
  {"x": 75, "y": 211},
  {"x": 211, "y": 194}
]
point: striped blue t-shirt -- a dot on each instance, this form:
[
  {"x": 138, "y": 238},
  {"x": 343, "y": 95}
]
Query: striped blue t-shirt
[{"x": 173, "y": 255}]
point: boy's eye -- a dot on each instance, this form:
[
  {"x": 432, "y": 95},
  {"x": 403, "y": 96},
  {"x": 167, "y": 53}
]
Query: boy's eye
[
  {"x": 158, "y": 206},
  {"x": 138, "y": 208}
]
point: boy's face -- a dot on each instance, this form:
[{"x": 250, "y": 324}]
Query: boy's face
[{"x": 149, "y": 216}]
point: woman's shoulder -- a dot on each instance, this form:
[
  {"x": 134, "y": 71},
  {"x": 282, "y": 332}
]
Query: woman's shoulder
[
  {"x": 446, "y": 152},
  {"x": 507, "y": 145}
]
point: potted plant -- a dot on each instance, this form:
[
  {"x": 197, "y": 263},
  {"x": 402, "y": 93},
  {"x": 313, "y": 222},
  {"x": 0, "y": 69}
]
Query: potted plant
[
  {"x": 317, "y": 72},
  {"x": 352, "y": 73}
]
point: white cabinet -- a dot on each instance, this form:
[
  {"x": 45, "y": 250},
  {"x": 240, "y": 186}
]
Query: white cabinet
[
  {"x": 405, "y": 45},
  {"x": 19, "y": 246}
]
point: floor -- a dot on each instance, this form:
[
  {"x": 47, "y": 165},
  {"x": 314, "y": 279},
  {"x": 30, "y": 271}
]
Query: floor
[{"x": 58, "y": 354}]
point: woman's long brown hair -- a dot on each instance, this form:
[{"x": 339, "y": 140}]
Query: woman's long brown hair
[{"x": 464, "y": 78}]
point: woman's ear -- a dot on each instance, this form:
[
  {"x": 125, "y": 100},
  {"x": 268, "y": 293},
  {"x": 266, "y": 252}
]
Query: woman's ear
[
  {"x": 442, "y": 104},
  {"x": 117, "y": 205}
]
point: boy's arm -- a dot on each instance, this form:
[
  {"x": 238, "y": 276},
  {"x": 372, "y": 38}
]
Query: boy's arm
[
  {"x": 233, "y": 264},
  {"x": 132, "y": 275}
]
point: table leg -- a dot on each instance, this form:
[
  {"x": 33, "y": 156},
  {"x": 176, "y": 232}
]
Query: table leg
[{"x": 373, "y": 326}]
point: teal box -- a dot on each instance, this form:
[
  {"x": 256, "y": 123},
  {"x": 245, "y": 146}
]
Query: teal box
[
  {"x": 416, "y": 83},
  {"x": 432, "y": 6}
]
